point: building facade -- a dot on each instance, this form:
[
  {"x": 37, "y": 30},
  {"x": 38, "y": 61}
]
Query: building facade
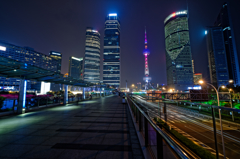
[
  {"x": 217, "y": 58},
  {"x": 92, "y": 56},
  {"x": 111, "y": 53},
  {"x": 57, "y": 56},
  {"x": 30, "y": 57},
  {"x": 75, "y": 67},
  {"x": 196, "y": 78},
  {"x": 224, "y": 20},
  {"x": 178, "y": 51}
]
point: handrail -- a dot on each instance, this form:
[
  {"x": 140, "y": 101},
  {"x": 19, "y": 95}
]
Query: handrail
[{"x": 168, "y": 140}]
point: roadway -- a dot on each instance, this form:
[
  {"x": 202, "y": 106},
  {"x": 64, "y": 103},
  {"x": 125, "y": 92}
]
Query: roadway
[{"x": 192, "y": 125}]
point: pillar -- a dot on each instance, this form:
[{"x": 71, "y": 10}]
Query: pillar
[
  {"x": 83, "y": 93},
  {"x": 100, "y": 92},
  {"x": 22, "y": 97},
  {"x": 65, "y": 100}
]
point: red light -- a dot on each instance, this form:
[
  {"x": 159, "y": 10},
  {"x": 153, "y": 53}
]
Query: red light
[{"x": 174, "y": 14}]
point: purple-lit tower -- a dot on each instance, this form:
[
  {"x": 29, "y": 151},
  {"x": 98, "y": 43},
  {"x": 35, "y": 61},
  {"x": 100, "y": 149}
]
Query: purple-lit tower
[{"x": 146, "y": 52}]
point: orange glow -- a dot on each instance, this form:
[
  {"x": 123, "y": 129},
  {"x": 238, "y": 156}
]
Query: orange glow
[{"x": 174, "y": 14}]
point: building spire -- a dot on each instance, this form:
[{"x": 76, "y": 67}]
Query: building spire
[{"x": 145, "y": 38}]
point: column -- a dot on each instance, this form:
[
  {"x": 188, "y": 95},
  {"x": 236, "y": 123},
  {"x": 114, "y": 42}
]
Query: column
[
  {"x": 83, "y": 93},
  {"x": 22, "y": 96},
  {"x": 65, "y": 100}
]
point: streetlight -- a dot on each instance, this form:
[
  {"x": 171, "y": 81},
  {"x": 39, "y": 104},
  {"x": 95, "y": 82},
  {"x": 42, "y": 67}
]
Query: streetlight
[
  {"x": 220, "y": 118},
  {"x": 223, "y": 86}
]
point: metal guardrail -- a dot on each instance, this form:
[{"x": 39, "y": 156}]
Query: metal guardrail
[{"x": 145, "y": 123}]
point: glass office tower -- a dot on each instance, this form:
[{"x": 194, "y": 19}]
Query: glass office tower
[
  {"x": 92, "y": 56},
  {"x": 57, "y": 56},
  {"x": 178, "y": 51},
  {"x": 217, "y": 57},
  {"x": 111, "y": 53},
  {"x": 224, "y": 20},
  {"x": 75, "y": 67}
]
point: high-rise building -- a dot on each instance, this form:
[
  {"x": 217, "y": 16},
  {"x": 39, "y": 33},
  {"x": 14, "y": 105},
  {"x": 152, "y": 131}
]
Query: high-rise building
[
  {"x": 30, "y": 57},
  {"x": 92, "y": 56},
  {"x": 146, "y": 53},
  {"x": 217, "y": 58},
  {"x": 111, "y": 53},
  {"x": 178, "y": 51},
  {"x": 197, "y": 77},
  {"x": 224, "y": 20},
  {"x": 75, "y": 67},
  {"x": 57, "y": 56},
  {"x": 193, "y": 66}
]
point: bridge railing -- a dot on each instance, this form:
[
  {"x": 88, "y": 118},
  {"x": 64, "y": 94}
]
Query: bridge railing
[{"x": 153, "y": 135}]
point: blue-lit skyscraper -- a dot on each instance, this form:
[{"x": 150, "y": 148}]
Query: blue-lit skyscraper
[
  {"x": 111, "y": 53},
  {"x": 224, "y": 20},
  {"x": 92, "y": 56},
  {"x": 217, "y": 58}
]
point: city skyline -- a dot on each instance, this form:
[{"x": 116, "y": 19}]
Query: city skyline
[{"x": 131, "y": 45}]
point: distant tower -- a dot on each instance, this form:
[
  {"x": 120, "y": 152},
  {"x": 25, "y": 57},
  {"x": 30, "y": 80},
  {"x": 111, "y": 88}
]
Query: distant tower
[
  {"x": 178, "y": 51},
  {"x": 224, "y": 20},
  {"x": 111, "y": 51},
  {"x": 92, "y": 56},
  {"x": 146, "y": 52}
]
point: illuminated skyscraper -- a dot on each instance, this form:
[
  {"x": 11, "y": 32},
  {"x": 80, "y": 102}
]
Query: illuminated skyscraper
[
  {"x": 57, "y": 56},
  {"x": 146, "y": 52},
  {"x": 224, "y": 20},
  {"x": 75, "y": 67},
  {"x": 178, "y": 51},
  {"x": 111, "y": 53},
  {"x": 217, "y": 58},
  {"x": 92, "y": 56}
]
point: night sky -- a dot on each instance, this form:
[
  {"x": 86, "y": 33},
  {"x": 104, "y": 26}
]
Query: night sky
[{"x": 60, "y": 25}]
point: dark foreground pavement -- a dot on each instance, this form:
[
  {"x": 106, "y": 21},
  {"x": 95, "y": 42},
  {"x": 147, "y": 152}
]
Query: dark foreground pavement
[{"x": 100, "y": 128}]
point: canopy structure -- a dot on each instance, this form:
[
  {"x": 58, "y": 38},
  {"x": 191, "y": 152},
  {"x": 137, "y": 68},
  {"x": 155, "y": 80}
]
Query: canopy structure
[{"x": 14, "y": 69}]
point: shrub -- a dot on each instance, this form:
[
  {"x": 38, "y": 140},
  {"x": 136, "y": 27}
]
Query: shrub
[{"x": 1, "y": 101}]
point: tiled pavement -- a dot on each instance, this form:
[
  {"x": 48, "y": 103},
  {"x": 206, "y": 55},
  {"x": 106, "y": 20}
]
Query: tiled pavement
[{"x": 100, "y": 128}]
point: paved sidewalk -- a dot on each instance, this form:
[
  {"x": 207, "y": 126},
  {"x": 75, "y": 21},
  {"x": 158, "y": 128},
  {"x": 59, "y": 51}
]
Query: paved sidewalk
[{"x": 100, "y": 128}]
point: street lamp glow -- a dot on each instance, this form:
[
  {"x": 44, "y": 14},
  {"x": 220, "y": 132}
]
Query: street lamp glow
[
  {"x": 133, "y": 85},
  {"x": 223, "y": 87},
  {"x": 205, "y": 32},
  {"x": 200, "y": 82},
  {"x": 230, "y": 81}
]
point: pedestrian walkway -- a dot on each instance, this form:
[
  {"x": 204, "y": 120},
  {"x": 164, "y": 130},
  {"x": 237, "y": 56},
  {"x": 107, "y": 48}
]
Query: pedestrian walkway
[{"x": 99, "y": 128}]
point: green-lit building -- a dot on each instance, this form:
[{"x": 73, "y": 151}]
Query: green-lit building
[{"x": 178, "y": 51}]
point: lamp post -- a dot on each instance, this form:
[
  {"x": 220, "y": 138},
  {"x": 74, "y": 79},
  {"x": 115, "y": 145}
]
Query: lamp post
[
  {"x": 223, "y": 86},
  {"x": 220, "y": 118}
]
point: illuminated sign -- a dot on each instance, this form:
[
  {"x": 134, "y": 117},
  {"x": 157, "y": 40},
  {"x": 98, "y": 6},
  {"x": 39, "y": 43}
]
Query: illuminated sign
[
  {"x": 195, "y": 87},
  {"x": 175, "y": 14},
  {"x": 2, "y": 48},
  {"x": 95, "y": 31},
  {"x": 112, "y": 14},
  {"x": 78, "y": 59},
  {"x": 55, "y": 53}
]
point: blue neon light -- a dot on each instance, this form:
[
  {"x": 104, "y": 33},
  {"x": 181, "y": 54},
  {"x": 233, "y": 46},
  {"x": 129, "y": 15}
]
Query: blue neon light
[{"x": 24, "y": 93}]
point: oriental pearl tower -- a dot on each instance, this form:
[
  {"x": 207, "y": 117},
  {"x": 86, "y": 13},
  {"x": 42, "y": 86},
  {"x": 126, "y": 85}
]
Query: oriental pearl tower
[{"x": 146, "y": 52}]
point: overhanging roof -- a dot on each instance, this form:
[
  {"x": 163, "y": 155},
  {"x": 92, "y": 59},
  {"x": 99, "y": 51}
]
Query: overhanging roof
[{"x": 10, "y": 68}]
